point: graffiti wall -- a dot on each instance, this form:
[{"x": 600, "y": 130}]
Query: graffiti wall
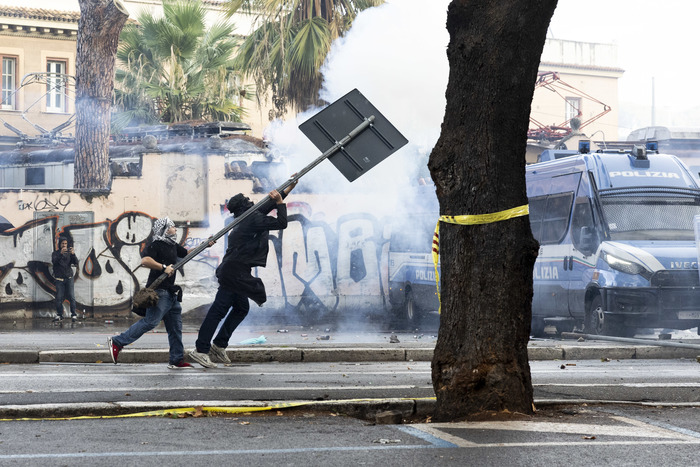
[
  {"x": 331, "y": 259},
  {"x": 314, "y": 268}
]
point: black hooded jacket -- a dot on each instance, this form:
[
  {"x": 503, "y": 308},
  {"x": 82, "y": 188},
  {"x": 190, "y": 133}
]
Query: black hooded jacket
[
  {"x": 62, "y": 264},
  {"x": 248, "y": 244}
]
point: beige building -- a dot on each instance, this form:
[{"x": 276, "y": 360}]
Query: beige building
[
  {"x": 36, "y": 41},
  {"x": 42, "y": 40},
  {"x": 575, "y": 76}
]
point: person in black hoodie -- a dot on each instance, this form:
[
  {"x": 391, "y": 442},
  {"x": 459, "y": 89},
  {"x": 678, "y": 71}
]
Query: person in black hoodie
[
  {"x": 247, "y": 248},
  {"x": 63, "y": 261}
]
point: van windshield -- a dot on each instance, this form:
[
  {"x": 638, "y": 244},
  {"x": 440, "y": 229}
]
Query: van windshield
[{"x": 650, "y": 216}]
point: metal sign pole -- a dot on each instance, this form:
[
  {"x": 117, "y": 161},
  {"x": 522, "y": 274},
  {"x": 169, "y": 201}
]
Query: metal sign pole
[{"x": 202, "y": 246}]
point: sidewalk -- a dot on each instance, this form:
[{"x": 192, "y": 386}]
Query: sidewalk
[{"x": 86, "y": 342}]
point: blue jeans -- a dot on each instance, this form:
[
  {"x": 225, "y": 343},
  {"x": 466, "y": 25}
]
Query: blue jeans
[
  {"x": 167, "y": 309},
  {"x": 224, "y": 300},
  {"x": 65, "y": 291}
]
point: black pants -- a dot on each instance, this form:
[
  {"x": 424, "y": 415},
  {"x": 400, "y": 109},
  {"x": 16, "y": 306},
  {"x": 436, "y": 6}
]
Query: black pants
[{"x": 225, "y": 300}]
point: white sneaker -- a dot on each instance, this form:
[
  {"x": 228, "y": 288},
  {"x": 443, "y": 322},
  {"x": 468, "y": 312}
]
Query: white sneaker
[
  {"x": 217, "y": 354},
  {"x": 202, "y": 359}
]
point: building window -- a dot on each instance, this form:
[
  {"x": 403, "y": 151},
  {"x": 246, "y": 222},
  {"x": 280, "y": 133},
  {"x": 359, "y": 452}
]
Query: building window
[
  {"x": 573, "y": 107},
  {"x": 9, "y": 82},
  {"x": 56, "y": 86},
  {"x": 34, "y": 176}
]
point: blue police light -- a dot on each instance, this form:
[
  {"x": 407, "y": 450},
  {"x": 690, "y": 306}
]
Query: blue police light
[
  {"x": 653, "y": 146},
  {"x": 584, "y": 146}
]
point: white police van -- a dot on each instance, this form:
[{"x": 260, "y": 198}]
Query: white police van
[{"x": 617, "y": 242}]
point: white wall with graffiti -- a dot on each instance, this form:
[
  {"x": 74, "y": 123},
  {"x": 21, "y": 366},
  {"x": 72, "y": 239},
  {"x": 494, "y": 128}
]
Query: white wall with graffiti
[{"x": 329, "y": 260}]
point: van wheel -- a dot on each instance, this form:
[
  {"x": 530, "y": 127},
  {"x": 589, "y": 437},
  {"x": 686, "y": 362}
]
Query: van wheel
[
  {"x": 598, "y": 324},
  {"x": 411, "y": 312},
  {"x": 595, "y": 318}
]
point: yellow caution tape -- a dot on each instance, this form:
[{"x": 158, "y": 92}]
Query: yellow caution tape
[
  {"x": 468, "y": 219},
  {"x": 192, "y": 410}
]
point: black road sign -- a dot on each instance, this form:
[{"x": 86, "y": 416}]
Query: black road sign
[{"x": 364, "y": 151}]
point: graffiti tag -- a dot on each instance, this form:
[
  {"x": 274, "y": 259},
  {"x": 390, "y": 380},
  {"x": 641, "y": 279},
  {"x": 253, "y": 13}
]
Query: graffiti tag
[{"x": 45, "y": 204}]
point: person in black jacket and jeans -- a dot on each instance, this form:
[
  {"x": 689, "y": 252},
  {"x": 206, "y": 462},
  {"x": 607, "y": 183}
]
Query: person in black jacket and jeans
[
  {"x": 63, "y": 261},
  {"x": 247, "y": 248}
]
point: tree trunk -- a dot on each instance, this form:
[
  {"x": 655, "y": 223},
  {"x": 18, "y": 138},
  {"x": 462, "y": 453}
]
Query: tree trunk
[
  {"x": 480, "y": 362},
  {"x": 100, "y": 23}
]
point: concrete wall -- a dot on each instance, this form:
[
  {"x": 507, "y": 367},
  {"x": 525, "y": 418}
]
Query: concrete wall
[{"x": 331, "y": 258}]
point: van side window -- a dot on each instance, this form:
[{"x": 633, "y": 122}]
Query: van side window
[
  {"x": 583, "y": 233},
  {"x": 537, "y": 206},
  {"x": 549, "y": 217}
]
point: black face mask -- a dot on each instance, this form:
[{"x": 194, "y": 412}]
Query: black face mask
[{"x": 243, "y": 206}]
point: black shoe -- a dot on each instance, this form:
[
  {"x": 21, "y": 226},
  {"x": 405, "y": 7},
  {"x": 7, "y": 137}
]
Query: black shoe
[
  {"x": 58, "y": 319},
  {"x": 74, "y": 317}
]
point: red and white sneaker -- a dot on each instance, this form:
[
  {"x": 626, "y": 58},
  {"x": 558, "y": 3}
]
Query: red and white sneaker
[
  {"x": 114, "y": 350},
  {"x": 179, "y": 366}
]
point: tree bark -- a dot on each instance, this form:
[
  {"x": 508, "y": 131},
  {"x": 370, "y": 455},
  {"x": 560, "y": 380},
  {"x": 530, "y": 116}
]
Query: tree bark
[
  {"x": 101, "y": 22},
  {"x": 480, "y": 362}
]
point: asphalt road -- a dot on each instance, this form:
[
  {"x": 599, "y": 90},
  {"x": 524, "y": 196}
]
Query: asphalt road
[
  {"x": 590, "y": 412},
  {"x": 650, "y": 381},
  {"x": 568, "y": 436}
]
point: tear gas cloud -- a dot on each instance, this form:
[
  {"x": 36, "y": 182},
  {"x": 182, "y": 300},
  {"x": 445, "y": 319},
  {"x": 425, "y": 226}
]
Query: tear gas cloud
[{"x": 395, "y": 55}]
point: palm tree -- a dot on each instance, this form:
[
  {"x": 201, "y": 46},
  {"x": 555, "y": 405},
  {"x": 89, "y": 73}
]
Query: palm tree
[
  {"x": 173, "y": 68},
  {"x": 285, "y": 53}
]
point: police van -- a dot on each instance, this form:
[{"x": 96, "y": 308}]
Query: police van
[
  {"x": 411, "y": 271},
  {"x": 617, "y": 241}
]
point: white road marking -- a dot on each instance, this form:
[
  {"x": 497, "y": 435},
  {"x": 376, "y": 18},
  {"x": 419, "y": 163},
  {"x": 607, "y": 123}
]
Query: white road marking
[{"x": 630, "y": 428}]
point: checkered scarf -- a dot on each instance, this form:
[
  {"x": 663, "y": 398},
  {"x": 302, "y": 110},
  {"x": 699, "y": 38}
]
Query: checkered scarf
[{"x": 160, "y": 227}]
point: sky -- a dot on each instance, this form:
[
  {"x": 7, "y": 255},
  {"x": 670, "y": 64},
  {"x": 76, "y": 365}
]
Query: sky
[{"x": 655, "y": 40}]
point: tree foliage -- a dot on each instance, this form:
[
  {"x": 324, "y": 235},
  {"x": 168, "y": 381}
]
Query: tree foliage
[
  {"x": 285, "y": 52},
  {"x": 175, "y": 68}
]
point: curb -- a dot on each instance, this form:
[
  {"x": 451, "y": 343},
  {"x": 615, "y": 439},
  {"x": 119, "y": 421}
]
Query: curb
[
  {"x": 341, "y": 354},
  {"x": 366, "y": 409}
]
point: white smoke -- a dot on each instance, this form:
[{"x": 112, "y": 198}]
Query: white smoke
[{"x": 395, "y": 55}]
